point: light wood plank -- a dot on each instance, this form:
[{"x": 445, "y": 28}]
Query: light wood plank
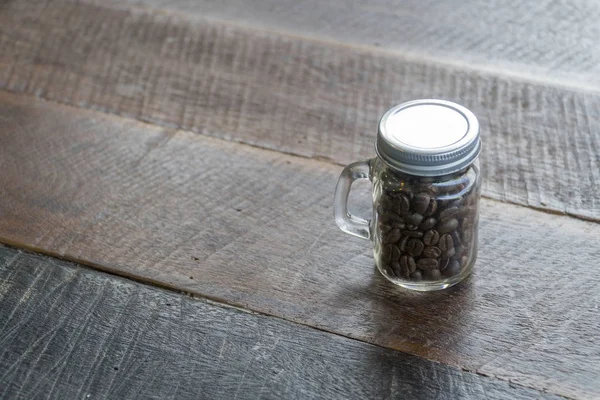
[
  {"x": 541, "y": 40},
  {"x": 69, "y": 332},
  {"x": 293, "y": 95},
  {"x": 254, "y": 228}
]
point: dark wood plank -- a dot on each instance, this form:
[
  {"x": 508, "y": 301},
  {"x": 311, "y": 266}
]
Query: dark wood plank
[
  {"x": 315, "y": 99},
  {"x": 544, "y": 39},
  {"x": 73, "y": 333},
  {"x": 254, "y": 228}
]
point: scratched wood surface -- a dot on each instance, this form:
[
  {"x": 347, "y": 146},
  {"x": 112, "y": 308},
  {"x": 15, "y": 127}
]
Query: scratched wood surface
[
  {"x": 545, "y": 39},
  {"x": 253, "y": 228},
  {"x": 311, "y": 98},
  {"x": 72, "y": 333}
]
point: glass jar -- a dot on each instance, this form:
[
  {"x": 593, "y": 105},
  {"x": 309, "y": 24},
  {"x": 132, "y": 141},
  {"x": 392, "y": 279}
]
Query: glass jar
[{"x": 426, "y": 187}]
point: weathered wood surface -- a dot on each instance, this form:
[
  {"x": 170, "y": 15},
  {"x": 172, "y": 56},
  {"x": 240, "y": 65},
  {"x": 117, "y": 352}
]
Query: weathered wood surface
[
  {"x": 315, "y": 99},
  {"x": 254, "y": 228},
  {"x": 555, "y": 39},
  {"x": 73, "y": 333}
]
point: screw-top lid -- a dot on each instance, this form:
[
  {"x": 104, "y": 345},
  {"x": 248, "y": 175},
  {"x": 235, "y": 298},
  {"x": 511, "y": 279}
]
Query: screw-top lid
[{"x": 428, "y": 137}]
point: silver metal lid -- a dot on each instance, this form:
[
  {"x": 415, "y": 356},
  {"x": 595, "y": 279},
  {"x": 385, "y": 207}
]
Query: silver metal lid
[{"x": 428, "y": 137}]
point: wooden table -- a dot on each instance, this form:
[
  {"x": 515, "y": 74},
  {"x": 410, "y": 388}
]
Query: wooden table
[{"x": 166, "y": 179}]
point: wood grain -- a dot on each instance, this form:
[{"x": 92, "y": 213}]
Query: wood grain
[
  {"x": 72, "y": 333},
  {"x": 541, "y": 40},
  {"x": 295, "y": 95},
  {"x": 254, "y": 228}
]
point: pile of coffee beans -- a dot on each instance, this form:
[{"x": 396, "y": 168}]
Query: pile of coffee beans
[{"x": 427, "y": 231}]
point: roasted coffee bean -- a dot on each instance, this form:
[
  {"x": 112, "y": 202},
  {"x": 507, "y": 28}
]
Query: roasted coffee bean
[
  {"x": 396, "y": 268},
  {"x": 448, "y": 213},
  {"x": 432, "y": 208},
  {"x": 452, "y": 269},
  {"x": 401, "y": 204},
  {"x": 463, "y": 211},
  {"x": 432, "y": 252},
  {"x": 393, "y": 236},
  {"x": 467, "y": 236},
  {"x": 450, "y": 252},
  {"x": 433, "y": 275},
  {"x": 398, "y": 225},
  {"x": 463, "y": 261},
  {"x": 460, "y": 250},
  {"x": 386, "y": 202},
  {"x": 426, "y": 264},
  {"x": 408, "y": 263},
  {"x": 444, "y": 263},
  {"x": 456, "y": 238},
  {"x": 402, "y": 243},
  {"x": 421, "y": 202},
  {"x": 389, "y": 271},
  {"x": 413, "y": 234},
  {"x": 427, "y": 224},
  {"x": 431, "y": 237},
  {"x": 416, "y": 276},
  {"x": 384, "y": 228},
  {"x": 395, "y": 252},
  {"x": 446, "y": 242},
  {"x": 386, "y": 253},
  {"x": 447, "y": 226},
  {"x": 415, "y": 247},
  {"x": 413, "y": 219}
]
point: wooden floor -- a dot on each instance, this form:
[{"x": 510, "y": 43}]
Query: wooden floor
[{"x": 166, "y": 182}]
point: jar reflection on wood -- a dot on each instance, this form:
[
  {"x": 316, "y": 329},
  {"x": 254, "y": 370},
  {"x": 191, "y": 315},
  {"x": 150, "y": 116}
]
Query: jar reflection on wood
[{"x": 426, "y": 188}]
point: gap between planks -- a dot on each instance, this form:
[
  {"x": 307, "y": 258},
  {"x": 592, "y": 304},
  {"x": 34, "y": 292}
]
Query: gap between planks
[
  {"x": 288, "y": 153},
  {"x": 83, "y": 263}
]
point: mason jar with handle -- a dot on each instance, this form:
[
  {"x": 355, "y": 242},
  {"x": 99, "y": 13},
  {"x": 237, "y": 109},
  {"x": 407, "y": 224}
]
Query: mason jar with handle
[{"x": 426, "y": 185}]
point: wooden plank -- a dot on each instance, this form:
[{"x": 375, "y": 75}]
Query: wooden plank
[
  {"x": 254, "y": 228},
  {"x": 558, "y": 40},
  {"x": 295, "y": 95},
  {"x": 69, "y": 332}
]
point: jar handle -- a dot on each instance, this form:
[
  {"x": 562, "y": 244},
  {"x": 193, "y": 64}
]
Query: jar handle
[{"x": 345, "y": 221}]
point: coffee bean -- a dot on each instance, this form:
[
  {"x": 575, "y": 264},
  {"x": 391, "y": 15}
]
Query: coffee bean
[
  {"x": 415, "y": 247},
  {"x": 396, "y": 268},
  {"x": 416, "y": 276},
  {"x": 384, "y": 228},
  {"x": 456, "y": 238},
  {"x": 402, "y": 243},
  {"x": 448, "y": 213},
  {"x": 395, "y": 256},
  {"x": 386, "y": 253},
  {"x": 467, "y": 236},
  {"x": 413, "y": 234},
  {"x": 447, "y": 226},
  {"x": 453, "y": 269},
  {"x": 463, "y": 261},
  {"x": 426, "y": 264},
  {"x": 446, "y": 242},
  {"x": 408, "y": 264},
  {"x": 433, "y": 275},
  {"x": 444, "y": 263},
  {"x": 421, "y": 202},
  {"x": 432, "y": 208},
  {"x": 431, "y": 237},
  {"x": 463, "y": 211},
  {"x": 398, "y": 225},
  {"x": 450, "y": 252},
  {"x": 428, "y": 224},
  {"x": 432, "y": 252},
  {"x": 413, "y": 219},
  {"x": 402, "y": 204},
  {"x": 386, "y": 202},
  {"x": 393, "y": 236}
]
